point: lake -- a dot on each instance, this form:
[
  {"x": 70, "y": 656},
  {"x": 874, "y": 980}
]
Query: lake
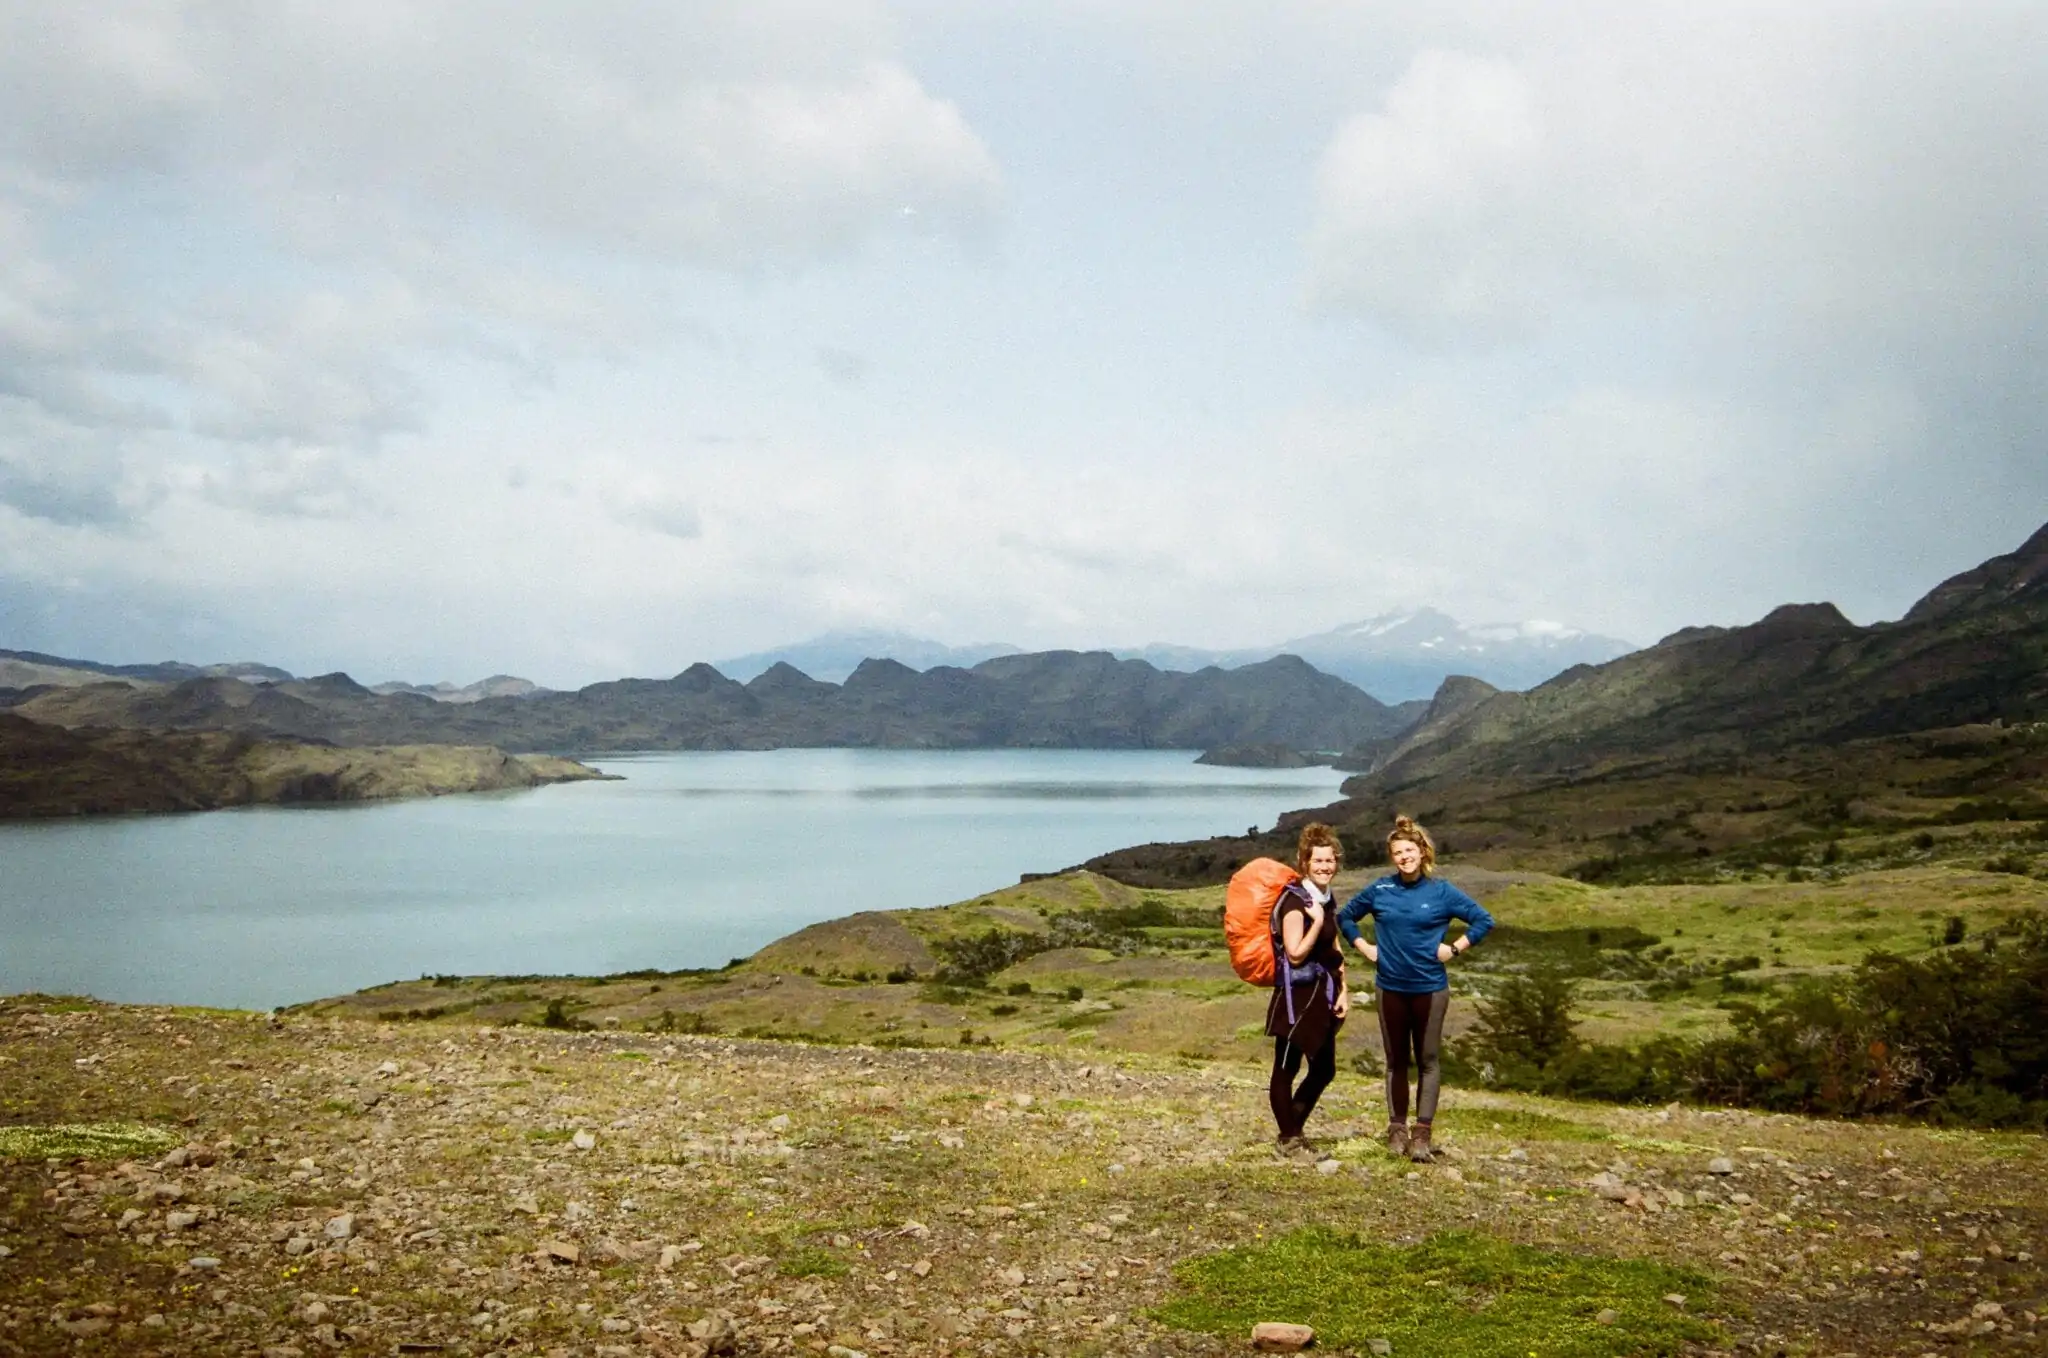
[{"x": 696, "y": 858}]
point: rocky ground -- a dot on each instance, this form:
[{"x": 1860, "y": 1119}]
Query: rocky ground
[{"x": 319, "y": 1185}]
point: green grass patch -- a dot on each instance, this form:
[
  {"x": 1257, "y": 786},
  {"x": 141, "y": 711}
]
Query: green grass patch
[
  {"x": 1591, "y": 950},
  {"x": 811, "y": 1263},
  {"x": 1092, "y": 1018},
  {"x": 549, "y": 1135},
  {"x": 85, "y": 1141},
  {"x": 1516, "y": 1124},
  {"x": 1662, "y": 1146},
  {"x": 1457, "y": 1292}
]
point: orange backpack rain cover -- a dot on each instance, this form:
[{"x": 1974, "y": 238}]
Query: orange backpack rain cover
[{"x": 1248, "y": 916}]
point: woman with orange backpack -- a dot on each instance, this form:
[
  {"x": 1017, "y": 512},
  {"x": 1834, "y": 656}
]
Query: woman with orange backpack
[
  {"x": 1411, "y": 907},
  {"x": 1309, "y": 996}
]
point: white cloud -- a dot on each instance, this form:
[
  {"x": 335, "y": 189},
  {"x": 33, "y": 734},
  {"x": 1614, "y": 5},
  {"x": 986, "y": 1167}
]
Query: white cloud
[
  {"x": 728, "y": 134},
  {"x": 279, "y": 228},
  {"x": 1418, "y": 206},
  {"x": 630, "y": 336},
  {"x": 1843, "y": 183}
]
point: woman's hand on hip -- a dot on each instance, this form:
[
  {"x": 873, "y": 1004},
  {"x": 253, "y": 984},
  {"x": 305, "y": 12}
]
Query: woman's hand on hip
[
  {"x": 1445, "y": 952},
  {"x": 1372, "y": 954}
]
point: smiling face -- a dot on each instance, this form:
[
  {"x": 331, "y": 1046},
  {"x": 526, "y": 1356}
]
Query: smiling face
[
  {"x": 1407, "y": 855},
  {"x": 1322, "y": 865}
]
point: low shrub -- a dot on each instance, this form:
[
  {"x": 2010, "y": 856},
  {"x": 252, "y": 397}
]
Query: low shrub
[{"x": 1952, "y": 1037}]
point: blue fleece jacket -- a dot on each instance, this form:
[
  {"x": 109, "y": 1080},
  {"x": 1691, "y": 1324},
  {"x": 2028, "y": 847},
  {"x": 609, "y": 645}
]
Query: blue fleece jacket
[{"x": 1409, "y": 922}]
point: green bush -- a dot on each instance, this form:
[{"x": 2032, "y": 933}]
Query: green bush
[
  {"x": 972, "y": 960},
  {"x": 1528, "y": 1019},
  {"x": 1952, "y": 1037}
]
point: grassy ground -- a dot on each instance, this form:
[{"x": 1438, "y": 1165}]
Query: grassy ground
[
  {"x": 1651, "y": 959},
  {"x": 371, "y": 1187}
]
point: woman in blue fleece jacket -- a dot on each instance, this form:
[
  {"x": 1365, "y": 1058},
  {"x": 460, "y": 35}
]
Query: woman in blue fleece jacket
[{"x": 1411, "y": 908}]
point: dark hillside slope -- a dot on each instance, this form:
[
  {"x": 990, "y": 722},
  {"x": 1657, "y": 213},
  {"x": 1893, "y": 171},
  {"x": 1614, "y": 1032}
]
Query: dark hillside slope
[
  {"x": 1974, "y": 650},
  {"x": 1801, "y": 741},
  {"x": 51, "y": 771}
]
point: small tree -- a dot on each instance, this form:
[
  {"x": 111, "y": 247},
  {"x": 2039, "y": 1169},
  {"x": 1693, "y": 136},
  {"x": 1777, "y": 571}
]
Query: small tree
[{"x": 1528, "y": 1020}]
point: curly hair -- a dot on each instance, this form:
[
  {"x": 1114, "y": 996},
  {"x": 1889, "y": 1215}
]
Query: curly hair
[
  {"x": 1405, "y": 828},
  {"x": 1316, "y": 835}
]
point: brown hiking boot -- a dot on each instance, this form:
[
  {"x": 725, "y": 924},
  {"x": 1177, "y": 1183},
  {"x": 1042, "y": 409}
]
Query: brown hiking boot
[
  {"x": 1418, "y": 1144},
  {"x": 1397, "y": 1139}
]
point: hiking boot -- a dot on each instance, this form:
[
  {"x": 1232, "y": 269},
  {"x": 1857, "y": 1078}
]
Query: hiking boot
[
  {"x": 1418, "y": 1144},
  {"x": 1295, "y": 1147},
  {"x": 1397, "y": 1139}
]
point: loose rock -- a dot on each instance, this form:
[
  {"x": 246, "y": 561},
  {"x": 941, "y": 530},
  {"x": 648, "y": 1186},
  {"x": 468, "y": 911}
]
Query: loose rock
[{"x": 1276, "y": 1336}]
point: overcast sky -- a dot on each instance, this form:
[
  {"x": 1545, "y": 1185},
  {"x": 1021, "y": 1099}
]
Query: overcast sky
[{"x": 427, "y": 341}]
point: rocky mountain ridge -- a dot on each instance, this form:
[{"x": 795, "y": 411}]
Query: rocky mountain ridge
[
  {"x": 1404, "y": 655},
  {"x": 1061, "y": 699},
  {"x": 1397, "y": 657},
  {"x": 1975, "y": 649},
  {"x": 1798, "y": 742}
]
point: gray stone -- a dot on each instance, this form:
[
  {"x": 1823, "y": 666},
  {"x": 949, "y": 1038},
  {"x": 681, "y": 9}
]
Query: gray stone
[
  {"x": 340, "y": 1227},
  {"x": 181, "y": 1221},
  {"x": 1607, "y": 1317},
  {"x": 1720, "y": 1164}
]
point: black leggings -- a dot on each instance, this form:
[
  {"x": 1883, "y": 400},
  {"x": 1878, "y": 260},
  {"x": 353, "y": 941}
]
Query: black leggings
[
  {"x": 1293, "y": 1103},
  {"x": 1413, "y": 1023}
]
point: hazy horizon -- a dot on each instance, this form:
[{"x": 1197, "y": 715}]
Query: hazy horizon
[{"x": 573, "y": 342}]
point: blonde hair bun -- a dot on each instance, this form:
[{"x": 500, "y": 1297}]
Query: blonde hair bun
[{"x": 1406, "y": 828}]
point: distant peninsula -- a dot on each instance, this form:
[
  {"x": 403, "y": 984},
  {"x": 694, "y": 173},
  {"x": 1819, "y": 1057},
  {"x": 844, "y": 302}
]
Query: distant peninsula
[
  {"x": 1263, "y": 755},
  {"x": 50, "y": 771}
]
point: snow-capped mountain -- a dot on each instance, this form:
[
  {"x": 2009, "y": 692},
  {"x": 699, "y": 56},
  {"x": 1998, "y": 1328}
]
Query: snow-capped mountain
[
  {"x": 1396, "y": 657},
  {"x": 1406, "y": 654}
]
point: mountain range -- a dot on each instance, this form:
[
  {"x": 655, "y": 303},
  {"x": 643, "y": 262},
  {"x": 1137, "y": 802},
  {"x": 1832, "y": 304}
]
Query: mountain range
[
  {"x": 1975, "y": 649},
  {"x": 1397, "y": 657},
  {"x": 1064, "y": 699},
  {"x": 835, "y": 655},
  {"x": 1794, "y": 730},
  {"x": 27, "y": 669},
  {"x": 1404, "y": 656}
]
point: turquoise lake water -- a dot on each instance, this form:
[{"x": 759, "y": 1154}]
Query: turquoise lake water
[{"x": 694, "y": 859}]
